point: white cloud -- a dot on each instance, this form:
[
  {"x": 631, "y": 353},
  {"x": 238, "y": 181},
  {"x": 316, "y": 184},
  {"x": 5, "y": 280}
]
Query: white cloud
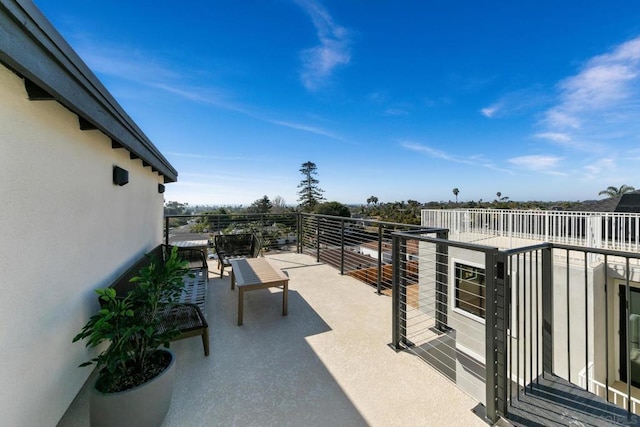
[
  {"x": 600, "y": 166},
  {"x": 475, "y": 160},
  {"x": 427, "y": 150},
  {"x": 320, "y": 61},
  {"x": 306, "y": 128},
  {"x": 491, "y": 111},
  {"x": 558, "y": 137},
  {"x": 603, "y": 92},
  {"x": 515, "y": 102},
  {"x": 395, "y": 112},
  {"x": 538, "y": 163},
  {"x": 202, "y": 97},
  {"x": 123, "y": 62}
]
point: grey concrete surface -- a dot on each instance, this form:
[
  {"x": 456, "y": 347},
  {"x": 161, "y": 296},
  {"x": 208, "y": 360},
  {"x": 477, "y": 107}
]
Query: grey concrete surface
[{"x": 327, "y": 363}]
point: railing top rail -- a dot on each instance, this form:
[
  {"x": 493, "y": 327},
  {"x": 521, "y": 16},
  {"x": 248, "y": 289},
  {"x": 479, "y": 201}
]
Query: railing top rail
[
  {"x": 230, "y": 214},
  {"x": 531, "y": 248},
  {"x": 366, "y": 220},
  {"x": 454, "y": 243},
  {"x": 533, "y": 212},
  {"x": 598, "y": 251}
]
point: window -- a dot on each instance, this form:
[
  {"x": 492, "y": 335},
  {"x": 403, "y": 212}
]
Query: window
[
  {"x": 634, "y": 335},
  {"x": 469, "y": 288}
]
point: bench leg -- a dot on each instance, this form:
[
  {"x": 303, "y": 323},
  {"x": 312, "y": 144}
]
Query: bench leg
[
  {"x": 221, "y": 269},
  {"x": 205, "y": 341},
  {"x": 285, "y": 300},
  {"x": 240, "y": 305}
]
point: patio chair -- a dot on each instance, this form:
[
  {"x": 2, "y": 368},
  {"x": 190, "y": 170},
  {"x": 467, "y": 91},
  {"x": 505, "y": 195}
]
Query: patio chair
[{"x": 230, "y": 246}]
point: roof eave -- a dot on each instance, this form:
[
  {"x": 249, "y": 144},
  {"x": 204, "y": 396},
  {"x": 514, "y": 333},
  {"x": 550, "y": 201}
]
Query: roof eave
[{"x": 33, "y": 48}]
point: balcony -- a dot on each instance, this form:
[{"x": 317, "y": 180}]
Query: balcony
[
  {"x": 526, "y": 334},
  {"x": 327, "y": 363}
]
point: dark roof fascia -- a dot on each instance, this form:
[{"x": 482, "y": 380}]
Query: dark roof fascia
[
  {"x": 629, "y": 203},
  {"x": 33, "y": 48}
]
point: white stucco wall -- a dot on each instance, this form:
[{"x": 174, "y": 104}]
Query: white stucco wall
[{"x": 65, "y": 230}]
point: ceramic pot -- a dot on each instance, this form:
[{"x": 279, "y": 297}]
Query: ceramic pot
[{"x": 143, "y": 406}]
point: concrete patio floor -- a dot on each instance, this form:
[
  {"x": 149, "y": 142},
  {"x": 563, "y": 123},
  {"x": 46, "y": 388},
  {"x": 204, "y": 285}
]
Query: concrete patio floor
[{"x": 327, "y": 363}]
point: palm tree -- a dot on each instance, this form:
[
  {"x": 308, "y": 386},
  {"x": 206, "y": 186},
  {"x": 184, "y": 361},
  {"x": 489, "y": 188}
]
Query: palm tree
[
  {"x": 612, "y": 191},
  {"x": 455, "y": 193}
]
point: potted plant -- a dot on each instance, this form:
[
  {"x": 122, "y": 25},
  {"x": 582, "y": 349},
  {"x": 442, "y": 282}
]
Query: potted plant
[{"x": 134, "y": 375}]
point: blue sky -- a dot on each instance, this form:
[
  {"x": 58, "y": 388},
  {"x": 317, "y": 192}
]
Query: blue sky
[{"x": 401, "y": 100}]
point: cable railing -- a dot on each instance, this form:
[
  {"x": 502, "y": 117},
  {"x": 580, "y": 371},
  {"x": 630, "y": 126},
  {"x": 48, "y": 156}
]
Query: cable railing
[
  {"x": 275, "y": 231},
  {"x": 493, "y": 321},
  {"x": 439, "y": 305},
  {"x": 499, "y": 323},
  {"x": 360, "y": 248}
]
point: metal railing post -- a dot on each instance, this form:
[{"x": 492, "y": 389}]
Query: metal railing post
[
  {"x": 402, "y": 290},
  {"x": 342, "y": 246},
  {"x": 395, "y": 294},
  {"x": 496, "y": 306},
  {"x": 317, "y": 239},
  {"x": 442, "y": 282},
  {"x": 299, "y": 233},
  {"x": 379, "y": 279},
  {"x": 547, "y": 310}
]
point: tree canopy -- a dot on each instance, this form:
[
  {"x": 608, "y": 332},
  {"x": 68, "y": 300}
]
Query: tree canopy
[
  {"x": 612, "y": 191},
  {"x": 175, "y": 208},
  {"x": 310, "y": 193},
  {"x": 333, "y": 208},
  {"x": 262, "y": 205}
]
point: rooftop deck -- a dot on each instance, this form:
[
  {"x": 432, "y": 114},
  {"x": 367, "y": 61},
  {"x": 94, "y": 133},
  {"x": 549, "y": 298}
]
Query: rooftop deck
[{"x": 327, "y": 363}]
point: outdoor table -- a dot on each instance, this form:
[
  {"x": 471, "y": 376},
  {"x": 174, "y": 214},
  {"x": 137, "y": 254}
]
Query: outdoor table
[
  {"x": 202, "y": 245},
  {"x": 249, "y": 274}
]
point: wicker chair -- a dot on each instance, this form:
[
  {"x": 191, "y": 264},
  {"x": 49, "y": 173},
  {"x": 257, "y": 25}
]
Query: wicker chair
[{"x": 230, "y": 246}]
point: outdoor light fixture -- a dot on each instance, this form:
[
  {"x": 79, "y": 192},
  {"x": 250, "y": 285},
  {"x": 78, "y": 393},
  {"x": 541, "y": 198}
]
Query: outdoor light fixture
[
  {"x": 120, "y": 176},
  {"x": 160, "y": 188}
]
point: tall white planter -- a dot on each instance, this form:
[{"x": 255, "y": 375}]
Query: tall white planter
[{"x": 143, "y": 406}]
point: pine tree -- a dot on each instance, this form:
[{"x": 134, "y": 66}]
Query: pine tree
[{"x": 310, "y": 194}]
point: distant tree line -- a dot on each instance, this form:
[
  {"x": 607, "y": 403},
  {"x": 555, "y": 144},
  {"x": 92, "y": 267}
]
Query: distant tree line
[{"x": 311, "y": 200}]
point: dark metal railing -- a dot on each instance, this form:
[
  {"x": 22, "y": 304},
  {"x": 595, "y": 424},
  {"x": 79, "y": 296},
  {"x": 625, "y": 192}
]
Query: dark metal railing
[
  {"x": 497, "y": 322},
  {"x": 274, "y": 230},
  {"x": 493, "y": 321},
  {"x": 360, "y": 248}
]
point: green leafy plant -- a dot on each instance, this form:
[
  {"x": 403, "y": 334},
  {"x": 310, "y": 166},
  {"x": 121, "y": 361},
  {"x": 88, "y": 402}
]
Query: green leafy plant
[{"x": 132, "y": 325}]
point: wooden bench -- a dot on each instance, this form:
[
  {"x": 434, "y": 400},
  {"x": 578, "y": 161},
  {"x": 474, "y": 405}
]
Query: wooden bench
[{"x": 188, "y": 316}]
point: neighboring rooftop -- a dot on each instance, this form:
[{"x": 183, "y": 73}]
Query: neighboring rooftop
[{"x": 629, "y": 203}]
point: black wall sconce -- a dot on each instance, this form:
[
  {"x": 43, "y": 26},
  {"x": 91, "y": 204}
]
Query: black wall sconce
[
  {"x": 160, "y": 188},
  {"x": 120, "y": 176}
]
